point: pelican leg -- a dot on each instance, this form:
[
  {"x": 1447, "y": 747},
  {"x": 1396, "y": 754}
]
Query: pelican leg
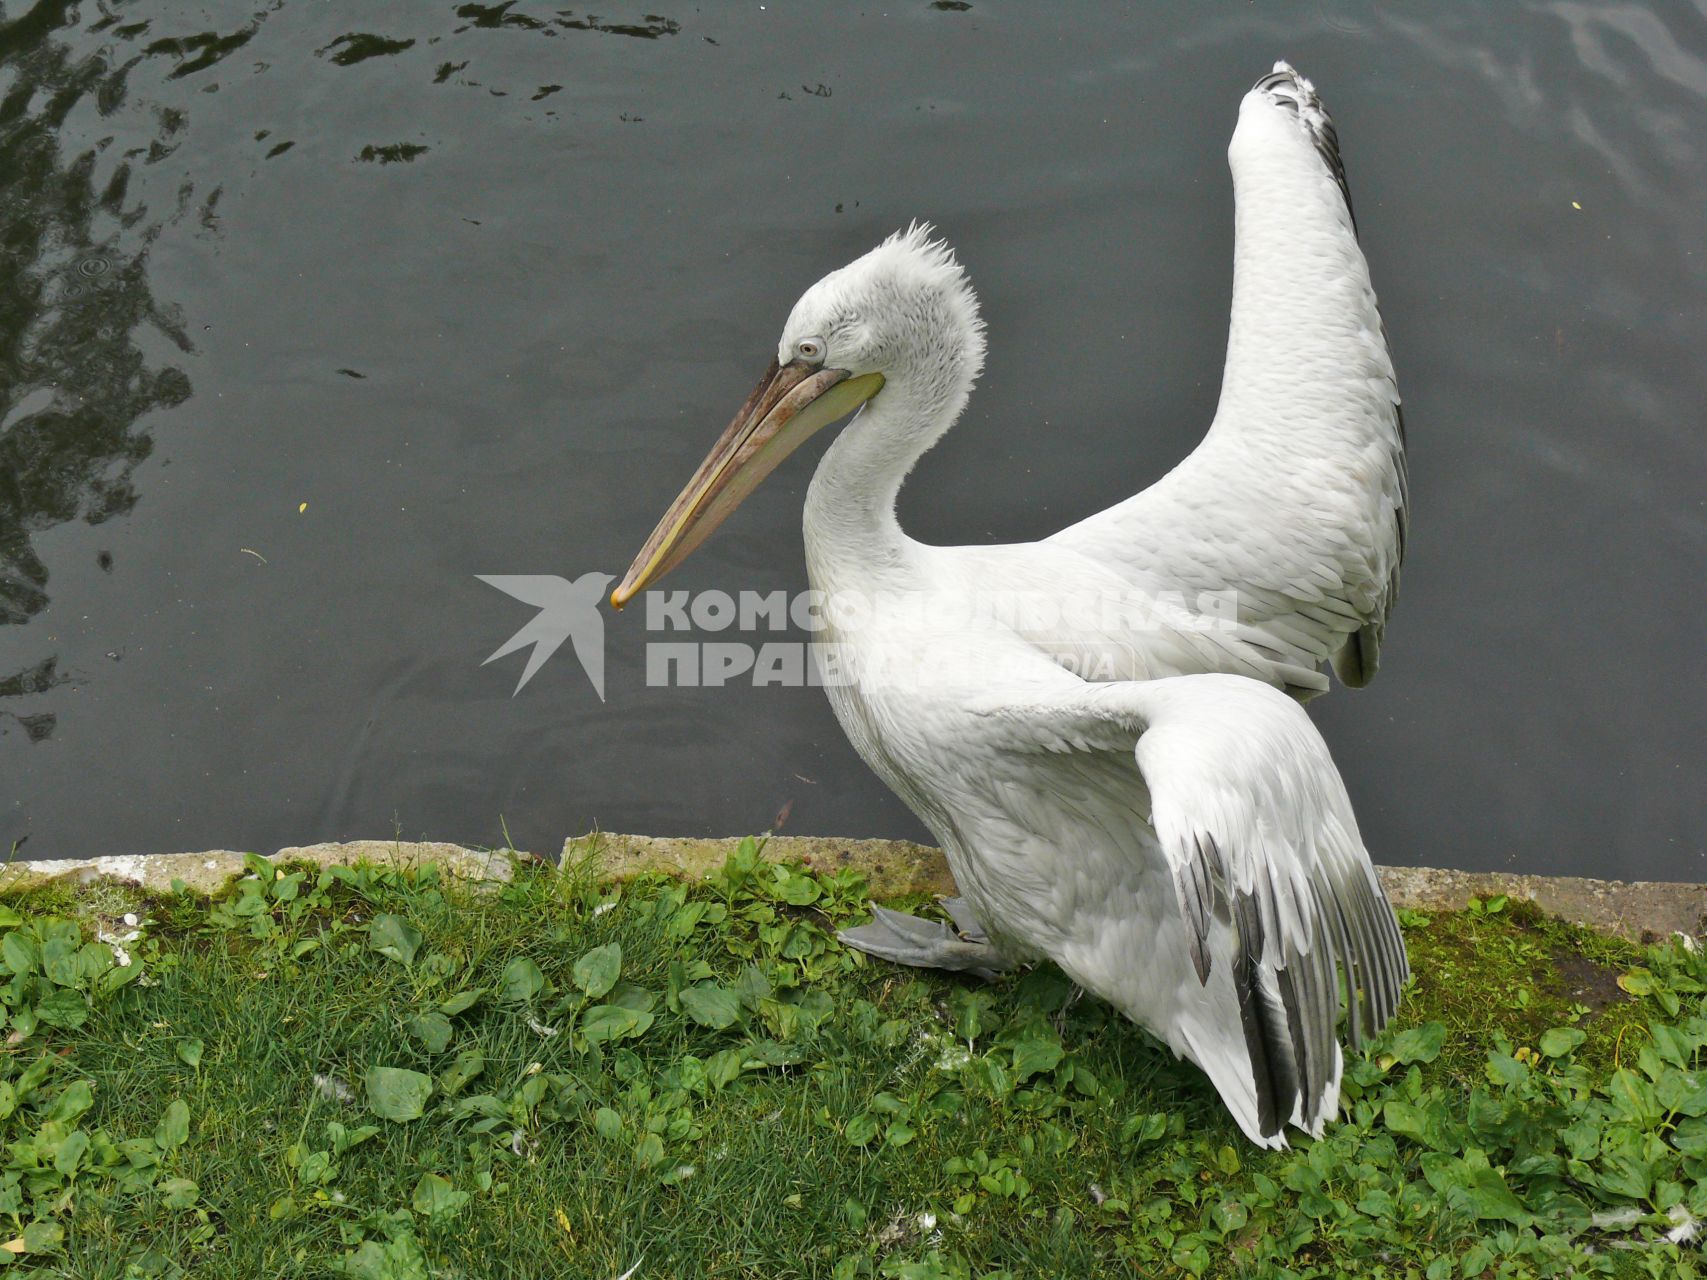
[
  {"x": 928, "y": 944},
  {"x": 964, "y": 920}
]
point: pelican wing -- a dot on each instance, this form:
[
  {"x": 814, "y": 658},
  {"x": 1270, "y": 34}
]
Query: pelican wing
[
  {"x": 1270, "y": 878},
  {"x": 1296, "y": 498}
]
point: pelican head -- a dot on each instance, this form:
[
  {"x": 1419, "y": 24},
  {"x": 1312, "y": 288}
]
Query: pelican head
[{"x": 901, "y": 321}]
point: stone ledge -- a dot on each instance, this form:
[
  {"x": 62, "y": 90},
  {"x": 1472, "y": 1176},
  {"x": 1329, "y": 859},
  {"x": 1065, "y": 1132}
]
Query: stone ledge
[
  {"x": 892, "y": 867},
  {"x": 210, "y": 870}
]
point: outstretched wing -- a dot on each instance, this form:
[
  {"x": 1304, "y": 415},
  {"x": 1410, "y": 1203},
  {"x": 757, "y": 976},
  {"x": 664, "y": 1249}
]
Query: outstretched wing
[
  {"x": 1296, "y": 499},
  {"x": 1271, "y": 881}
]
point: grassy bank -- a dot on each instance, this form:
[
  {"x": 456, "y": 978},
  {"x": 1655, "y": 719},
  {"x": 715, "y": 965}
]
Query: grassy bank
[{"x": 378, "y": 1074}]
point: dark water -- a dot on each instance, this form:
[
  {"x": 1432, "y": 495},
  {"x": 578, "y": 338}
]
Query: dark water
[{"x": 478, "y": 284}]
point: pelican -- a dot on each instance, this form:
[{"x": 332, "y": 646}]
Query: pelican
[{"x": 1135, "y": 794}]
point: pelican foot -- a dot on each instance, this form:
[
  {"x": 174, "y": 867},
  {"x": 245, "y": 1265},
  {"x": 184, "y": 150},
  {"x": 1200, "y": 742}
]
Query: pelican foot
[{"x": 929, "y": 944}]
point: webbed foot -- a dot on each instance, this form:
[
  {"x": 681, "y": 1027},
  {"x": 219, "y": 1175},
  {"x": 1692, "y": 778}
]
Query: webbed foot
[{"x": 929, "y": 944}]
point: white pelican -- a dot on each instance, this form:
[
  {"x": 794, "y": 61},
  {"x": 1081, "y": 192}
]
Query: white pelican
[{"x": 1135, "y": 798}]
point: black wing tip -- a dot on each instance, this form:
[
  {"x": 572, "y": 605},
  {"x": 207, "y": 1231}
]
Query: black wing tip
[
  {"x": 1286, "y": 88},
  {"x": 1285, "y": 73},
  {"x": 1273, "y": 1026}
]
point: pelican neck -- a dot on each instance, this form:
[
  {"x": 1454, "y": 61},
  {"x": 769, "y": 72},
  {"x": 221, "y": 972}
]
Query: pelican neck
[{"x": 853, "y": 538}]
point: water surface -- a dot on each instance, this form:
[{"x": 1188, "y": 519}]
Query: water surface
[{"x": 310, "y": 313}]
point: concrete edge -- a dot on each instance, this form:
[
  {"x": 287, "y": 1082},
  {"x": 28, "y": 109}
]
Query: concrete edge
[
  {"x": 893, "y": 868},
  {"x": 212, "y": 869}
]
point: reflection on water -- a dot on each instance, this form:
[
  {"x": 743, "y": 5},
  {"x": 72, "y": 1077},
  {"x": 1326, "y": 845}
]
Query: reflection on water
[
  {"x": 74, "y": 381},
  {"x": 465, "y": 288}
]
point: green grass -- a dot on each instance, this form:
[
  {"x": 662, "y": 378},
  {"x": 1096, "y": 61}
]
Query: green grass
[{"x": 378, "y": 1074}]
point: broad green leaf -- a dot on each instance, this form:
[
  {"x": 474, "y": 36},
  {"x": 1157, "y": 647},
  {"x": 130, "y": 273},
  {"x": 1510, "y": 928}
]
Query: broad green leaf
[
  {"x": 76, "y": 1098},
  {"x": 1635, "y": 1097},
  {"x": 969, "y": 1008},
  {"x": 522, "y": 981},
  {"x": 116, "y": 976},
  {"x": 21, "y": 952},
  {"x": 769, "y": 1053},
  {"x": 70, "y": 1153},
  {"x": 991, "y": 1076},
  {"x": 468, "y": 1064},
  {"x": 607, "y": 1022},
  {"x": 314, "y": 1168},
  {"x": 1230, "y": 1215},
  {"x": 174, "y": 1127},
  {"x": 1582, "y": 1139},
  {"x": 628, "y": 996},
  {"x": 432, "y": 1029},
  {"x": 1627, "y": 1159},
  {"x": 649, "y": 1151},
  {"x": 190, "y": 1052},
  {"x": 596, "y": 972},
  {"x": 798, "y": 890},
  {"x": 724, "y": 1067},
  {"x": 1505, "y": 1069},
  {"x": 1483, "y": 1189},
  {"x": 397, "y": 1259},
  {"x": 461, "y": 1001},
  {"x": 1493, "y": 1199},
  {"x": 59, "y": 946},
  {"x": 861, "y": 1129},
  {"x": 43, "y": 1237},
  {"x": 1402, "y": 1117},
  {"x": 436, "y": 1195},
  {"x": 394, "y": 937},
  {"x": 752, "y": 986},
  {"x": 177, "y": 1193},
  {"x": 343, "y": 1139},
  {"x": 607, "y": 1124},
  {"x": 66, "y": 1007},
  {"x": 1638, "y": 982},
  {"x": 482, "y": 1104},
  {"x": 712, "y": 1006},
  {"x": 782, "y": 1018},
  {"x": 1149, "y": 1127},
  {"x": 1376, "y": 1203},
  {"x": 1419, "y": 1044},
  {"x": 1690, "y": 1137},
  {"x": 1033, "y": 1056},
  {"x": 396, "y": 1093},
  {"x": 1559, "y": 1041},
  {"x": 1670, "y": 1044}
]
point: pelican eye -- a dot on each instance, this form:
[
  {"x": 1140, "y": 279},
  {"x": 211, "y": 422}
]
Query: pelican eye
[{"x": 811, "y": 350}]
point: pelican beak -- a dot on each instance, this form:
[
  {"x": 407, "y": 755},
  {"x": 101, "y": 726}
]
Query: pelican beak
[{"x": 791, "y": 403}]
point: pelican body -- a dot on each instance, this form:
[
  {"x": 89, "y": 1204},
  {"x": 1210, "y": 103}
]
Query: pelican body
[{"x": 1121, "y": 774}]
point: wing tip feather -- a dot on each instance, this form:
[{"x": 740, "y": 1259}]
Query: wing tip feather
[{"x": 1287, "y": 89}]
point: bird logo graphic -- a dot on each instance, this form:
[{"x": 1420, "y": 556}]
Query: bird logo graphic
[{"x": 567, "y": 611}]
